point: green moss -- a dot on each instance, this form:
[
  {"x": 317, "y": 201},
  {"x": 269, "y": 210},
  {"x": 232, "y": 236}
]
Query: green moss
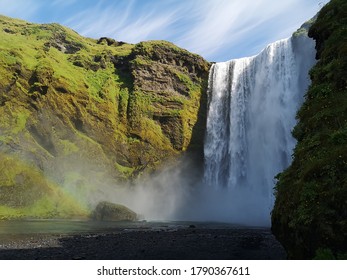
[
  {"x": 8, "y": 213},
  {"x": 149, "y": 47},
  {"x": 124, "y": 50},
  {"x": 141, "y": 61},
  {"x": 124, "y": 170},
  {"x": 184, "y": 78},
  {"x": 8, "y": 59},
  {"x": 28, "y": 52},
  {"x": 312, "y": 192},
  {"x": 68, "y": 147},
  {"x": 123, "y": 104},
  {"x": 65, "y": 98},
  {"x": 25, "y": 192},
  {"x": 13, "y": 119},
  {"x": 6, "y": 139},
  {"x": 45, "y": 208},
  {"x": 21, "y": 119},
  {"x": 103, "y": 84},
  {"x": 56, "y": 207},
  {"x": 324, "y": 254}
]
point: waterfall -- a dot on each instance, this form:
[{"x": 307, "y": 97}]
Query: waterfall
[{"x": 251, "y": 111}]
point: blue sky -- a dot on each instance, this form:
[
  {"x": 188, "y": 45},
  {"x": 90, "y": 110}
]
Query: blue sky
[{"x": 219, "y": 30}]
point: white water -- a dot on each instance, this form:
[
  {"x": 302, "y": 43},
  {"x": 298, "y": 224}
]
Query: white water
[{"x": 252, "y": 107}]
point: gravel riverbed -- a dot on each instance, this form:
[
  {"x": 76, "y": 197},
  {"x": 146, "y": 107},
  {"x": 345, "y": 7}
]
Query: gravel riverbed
[{"x": 162, "y": 242}]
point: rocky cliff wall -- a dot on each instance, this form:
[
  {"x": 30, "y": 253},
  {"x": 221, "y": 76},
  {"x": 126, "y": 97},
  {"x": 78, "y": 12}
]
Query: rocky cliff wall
[{"x": 80, "y": 113}]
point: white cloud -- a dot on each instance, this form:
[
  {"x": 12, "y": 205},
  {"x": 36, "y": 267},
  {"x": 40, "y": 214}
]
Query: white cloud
[
  {"x": 121, "y": 22},
  {"x": 210, "y": 26},
  {"x": 227, "y": 24},
  {"x": 216, "y": 29},
  {"x": 23, "y": 9}
]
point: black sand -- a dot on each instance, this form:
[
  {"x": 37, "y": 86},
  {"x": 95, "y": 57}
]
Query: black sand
[{"x": 198, "y": 241}]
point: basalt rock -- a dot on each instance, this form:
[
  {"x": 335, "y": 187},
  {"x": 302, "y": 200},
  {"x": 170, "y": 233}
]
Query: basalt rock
[{"x": 107, "y": 211}]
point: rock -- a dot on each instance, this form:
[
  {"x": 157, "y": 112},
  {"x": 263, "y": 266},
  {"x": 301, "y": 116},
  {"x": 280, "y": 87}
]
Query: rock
[
  {"x": 122, "y": 110},
  {"x": 108, "y": 211},
  {"x": 108, "y": 41}
]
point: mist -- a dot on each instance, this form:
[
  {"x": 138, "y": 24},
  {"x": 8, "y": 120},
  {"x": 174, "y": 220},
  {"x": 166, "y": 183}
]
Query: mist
[
  {"x": 176, "y": 192},
  {"x": 252, "y": 108}
]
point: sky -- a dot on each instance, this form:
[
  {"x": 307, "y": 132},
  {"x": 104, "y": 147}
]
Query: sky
[{"x": 218, "y": 30}]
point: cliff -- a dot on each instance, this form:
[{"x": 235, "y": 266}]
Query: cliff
[
  {"x": 78, "y": 113},
  {"x": 310, "y": 213}
]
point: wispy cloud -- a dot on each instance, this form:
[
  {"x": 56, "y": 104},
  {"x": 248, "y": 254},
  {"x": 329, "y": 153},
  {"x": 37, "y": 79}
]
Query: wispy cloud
[
  {"x": 210, "y": 27},
  {"x": 122, "y": 22},
  {"x": 63, "y": 3},
  {"x": 23, "y": 9},
  {"x": 228, "y": 24},
  {"x": 216, "y": 29}
]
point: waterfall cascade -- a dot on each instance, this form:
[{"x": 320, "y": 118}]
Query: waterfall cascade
[{"x": 252, "y": 107}]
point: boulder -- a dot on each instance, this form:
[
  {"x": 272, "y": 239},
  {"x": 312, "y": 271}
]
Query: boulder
[{"x": 108, "y": 211}]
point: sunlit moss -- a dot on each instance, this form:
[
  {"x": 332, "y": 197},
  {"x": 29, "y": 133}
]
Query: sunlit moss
[
  {"x": 66, "y": 99},
  {"x": 25, "y": 192},
  {"x": 68, "y": 147}
]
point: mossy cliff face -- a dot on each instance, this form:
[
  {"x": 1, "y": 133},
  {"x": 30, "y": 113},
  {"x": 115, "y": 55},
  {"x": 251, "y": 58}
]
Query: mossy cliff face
[
  {"x": 310, "y": 213},
  {"x": 85, "y": 112}
]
